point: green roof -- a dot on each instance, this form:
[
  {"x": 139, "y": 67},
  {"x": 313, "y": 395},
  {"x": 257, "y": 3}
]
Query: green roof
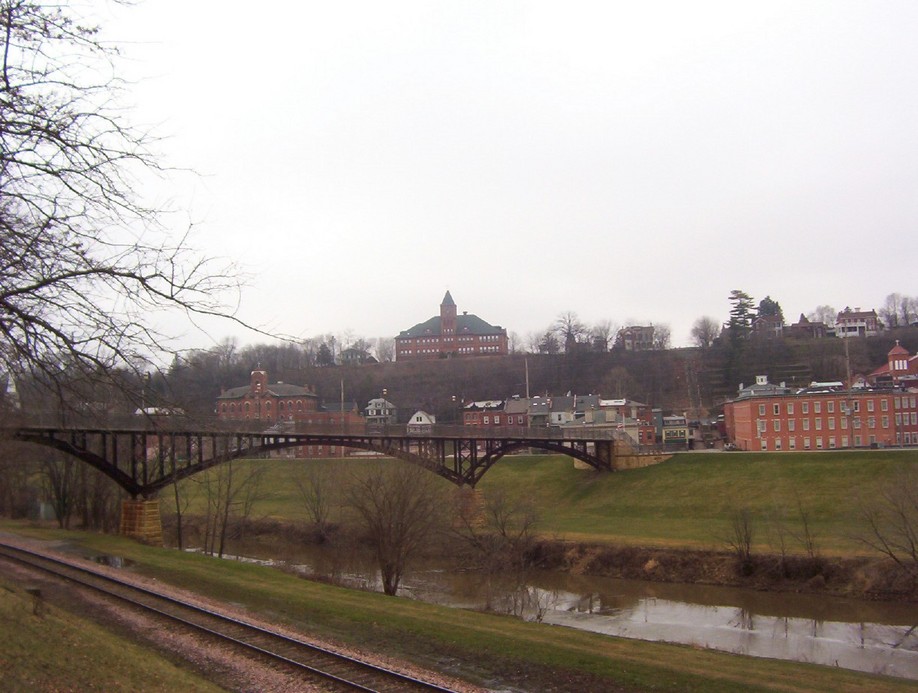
[{"x": 465, "y": 324}]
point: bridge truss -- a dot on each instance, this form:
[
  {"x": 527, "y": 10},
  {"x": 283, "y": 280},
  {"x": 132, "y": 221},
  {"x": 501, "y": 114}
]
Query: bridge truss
[{"x": 144, "y": 461}]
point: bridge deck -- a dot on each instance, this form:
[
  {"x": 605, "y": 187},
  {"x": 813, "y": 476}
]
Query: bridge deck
[{"x": 145, "y": 459}]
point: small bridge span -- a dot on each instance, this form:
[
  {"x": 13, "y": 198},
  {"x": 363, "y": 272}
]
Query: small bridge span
[{"x": 145, "y": 459}]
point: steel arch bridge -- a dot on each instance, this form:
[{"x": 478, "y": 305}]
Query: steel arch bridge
[{"x": 145, "y": 460}]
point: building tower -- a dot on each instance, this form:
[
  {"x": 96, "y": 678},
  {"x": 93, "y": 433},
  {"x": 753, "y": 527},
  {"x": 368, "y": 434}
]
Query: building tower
[{"x": 447, "y": 324}]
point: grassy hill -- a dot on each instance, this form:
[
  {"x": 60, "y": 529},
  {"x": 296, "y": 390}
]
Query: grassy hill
[{"x": 688, "y": 501}]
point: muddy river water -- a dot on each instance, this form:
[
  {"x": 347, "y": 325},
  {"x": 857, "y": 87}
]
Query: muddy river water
[{"x": 878, "y": 637}]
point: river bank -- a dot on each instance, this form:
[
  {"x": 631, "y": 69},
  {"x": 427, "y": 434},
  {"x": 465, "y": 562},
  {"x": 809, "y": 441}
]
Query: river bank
[
  {"x": 853, "y": 577},
  {"x": 856, "y": 577}
]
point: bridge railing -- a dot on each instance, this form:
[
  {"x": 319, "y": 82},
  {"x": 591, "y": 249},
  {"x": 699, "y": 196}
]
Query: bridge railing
[{"x": 182, "y": 424}]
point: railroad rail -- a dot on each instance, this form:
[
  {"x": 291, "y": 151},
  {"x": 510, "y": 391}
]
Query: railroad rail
[{"x": 344, "y": 671}]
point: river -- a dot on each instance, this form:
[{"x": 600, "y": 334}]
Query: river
[{"x": 877, "y": 637}]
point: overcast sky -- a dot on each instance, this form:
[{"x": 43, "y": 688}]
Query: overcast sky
[{"x": 631, "y": 162}]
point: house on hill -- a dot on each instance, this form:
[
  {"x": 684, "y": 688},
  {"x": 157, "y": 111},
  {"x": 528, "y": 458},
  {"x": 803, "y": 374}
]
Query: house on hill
[
  {"x": 857, "y": 323},
  {"x": 449, "y": 335},
  {"x": 805, "y": 328}
]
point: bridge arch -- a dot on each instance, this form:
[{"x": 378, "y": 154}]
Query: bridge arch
[{"x": 143, "y": 462}]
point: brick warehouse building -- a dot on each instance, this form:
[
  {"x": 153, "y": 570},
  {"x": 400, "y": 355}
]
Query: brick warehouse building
[
  {"x": 821, "y": 417},
  {"x": 269, "y": 404},
  {"x": 450, "y": 335}
]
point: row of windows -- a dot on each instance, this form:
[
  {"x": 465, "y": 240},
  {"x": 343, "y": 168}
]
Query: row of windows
[
  {"x": 905, "y": 419},
  {"x": 843, "y": 406},
  {"x": 831, "y": 442},
  {"x": 497, "y": 418},
  {"x": 246, "y": 407}
]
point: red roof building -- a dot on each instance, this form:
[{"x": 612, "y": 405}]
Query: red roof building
[{"x": 900, "y": 369}]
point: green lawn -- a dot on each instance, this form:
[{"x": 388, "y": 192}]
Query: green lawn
[
  {"x": 56, "y": 651},
  {"x": 685, "y": 501}
]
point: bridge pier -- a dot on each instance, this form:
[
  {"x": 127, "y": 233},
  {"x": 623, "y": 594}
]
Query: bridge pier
[{"x": 140, "y": 520}]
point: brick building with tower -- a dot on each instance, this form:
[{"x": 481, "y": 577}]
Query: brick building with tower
[
  {"x": 449, "y": 335},
  {"x": 262, "y": 404}
]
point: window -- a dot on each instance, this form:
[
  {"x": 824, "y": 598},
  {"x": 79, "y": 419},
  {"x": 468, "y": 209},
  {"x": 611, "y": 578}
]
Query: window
[
  {"x": 871, "y": 422},
  {"x": 805, "y": 407},
  {"x": 777, "y": 443},
  {"x": 819, "y": 443},
  {"x": 857, "y": 405},
  {"x": 830, "y": 407},
  {"x": 832, "y": 442},
  {"x": 884, "y": 421},
  {"x": 791, "y": 425},
  {"x": 806, "y": 443},
  {"x": 764, "y": 444},
  {"x": 792, "y": 443},
  {"x": 497, "y": 419},
  {"x": 806, "y": 424},
  {"x": 487, "y": 420},
  {"x": 761, "y": 410},
  {"x": 760, "y": 426},
  {"x": 790, "y": 408},
  {"x": 869, "y": 405},
  {"x": 818, "y": 424},
  {"x": 914, "y": 418},
  {"x": 776, "y": 409},
  {"x": 884, "y": 405},
  {"x": 817, "y": 407},
  {"x": 777, "y": 425},
  {"x": 844, "y": 441}
]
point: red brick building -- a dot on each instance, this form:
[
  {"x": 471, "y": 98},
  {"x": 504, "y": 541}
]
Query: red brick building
[
  {"x": 489, "y": 412},
  {"x": 822, "y": 418},
  {"x": 450, "y": 335},
  {"x": 268, "y": 404},
  {"x": 900, "y": 369}
]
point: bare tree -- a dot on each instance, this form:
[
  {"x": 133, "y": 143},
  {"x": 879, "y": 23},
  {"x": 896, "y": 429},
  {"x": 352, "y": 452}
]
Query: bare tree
[
  {"x": 740, "y": 538},
  {"x": 385, "y": 349},
  {"x": 898, "y": 310},
  {"x": 83, "y": 261},
  {"x": 891, "y": 524},
  {"x": 400, "y": 507},
  {"x": 662, "y": 337},
  {"x": 705, "y": 330},
  {"x": 570, "y": 330},
  {"x": 603, "y": 333},
  {"x": 231, "y": 490},
  {"x": 317, "y": 492},
  {"x": 500, "y": 533},
  {"x": 824, "y": 314},
  {"x": 60, "y": 480}
]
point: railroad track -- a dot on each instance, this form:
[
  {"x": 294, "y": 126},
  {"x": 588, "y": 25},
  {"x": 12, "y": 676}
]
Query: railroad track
[{"x": 314, "y": 661}]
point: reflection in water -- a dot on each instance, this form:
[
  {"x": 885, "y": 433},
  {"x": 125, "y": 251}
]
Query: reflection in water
[{"x": 867, "y": 636}]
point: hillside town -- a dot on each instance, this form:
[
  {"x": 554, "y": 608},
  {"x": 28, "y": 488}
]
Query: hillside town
[{"x": 874, "y": 409}]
